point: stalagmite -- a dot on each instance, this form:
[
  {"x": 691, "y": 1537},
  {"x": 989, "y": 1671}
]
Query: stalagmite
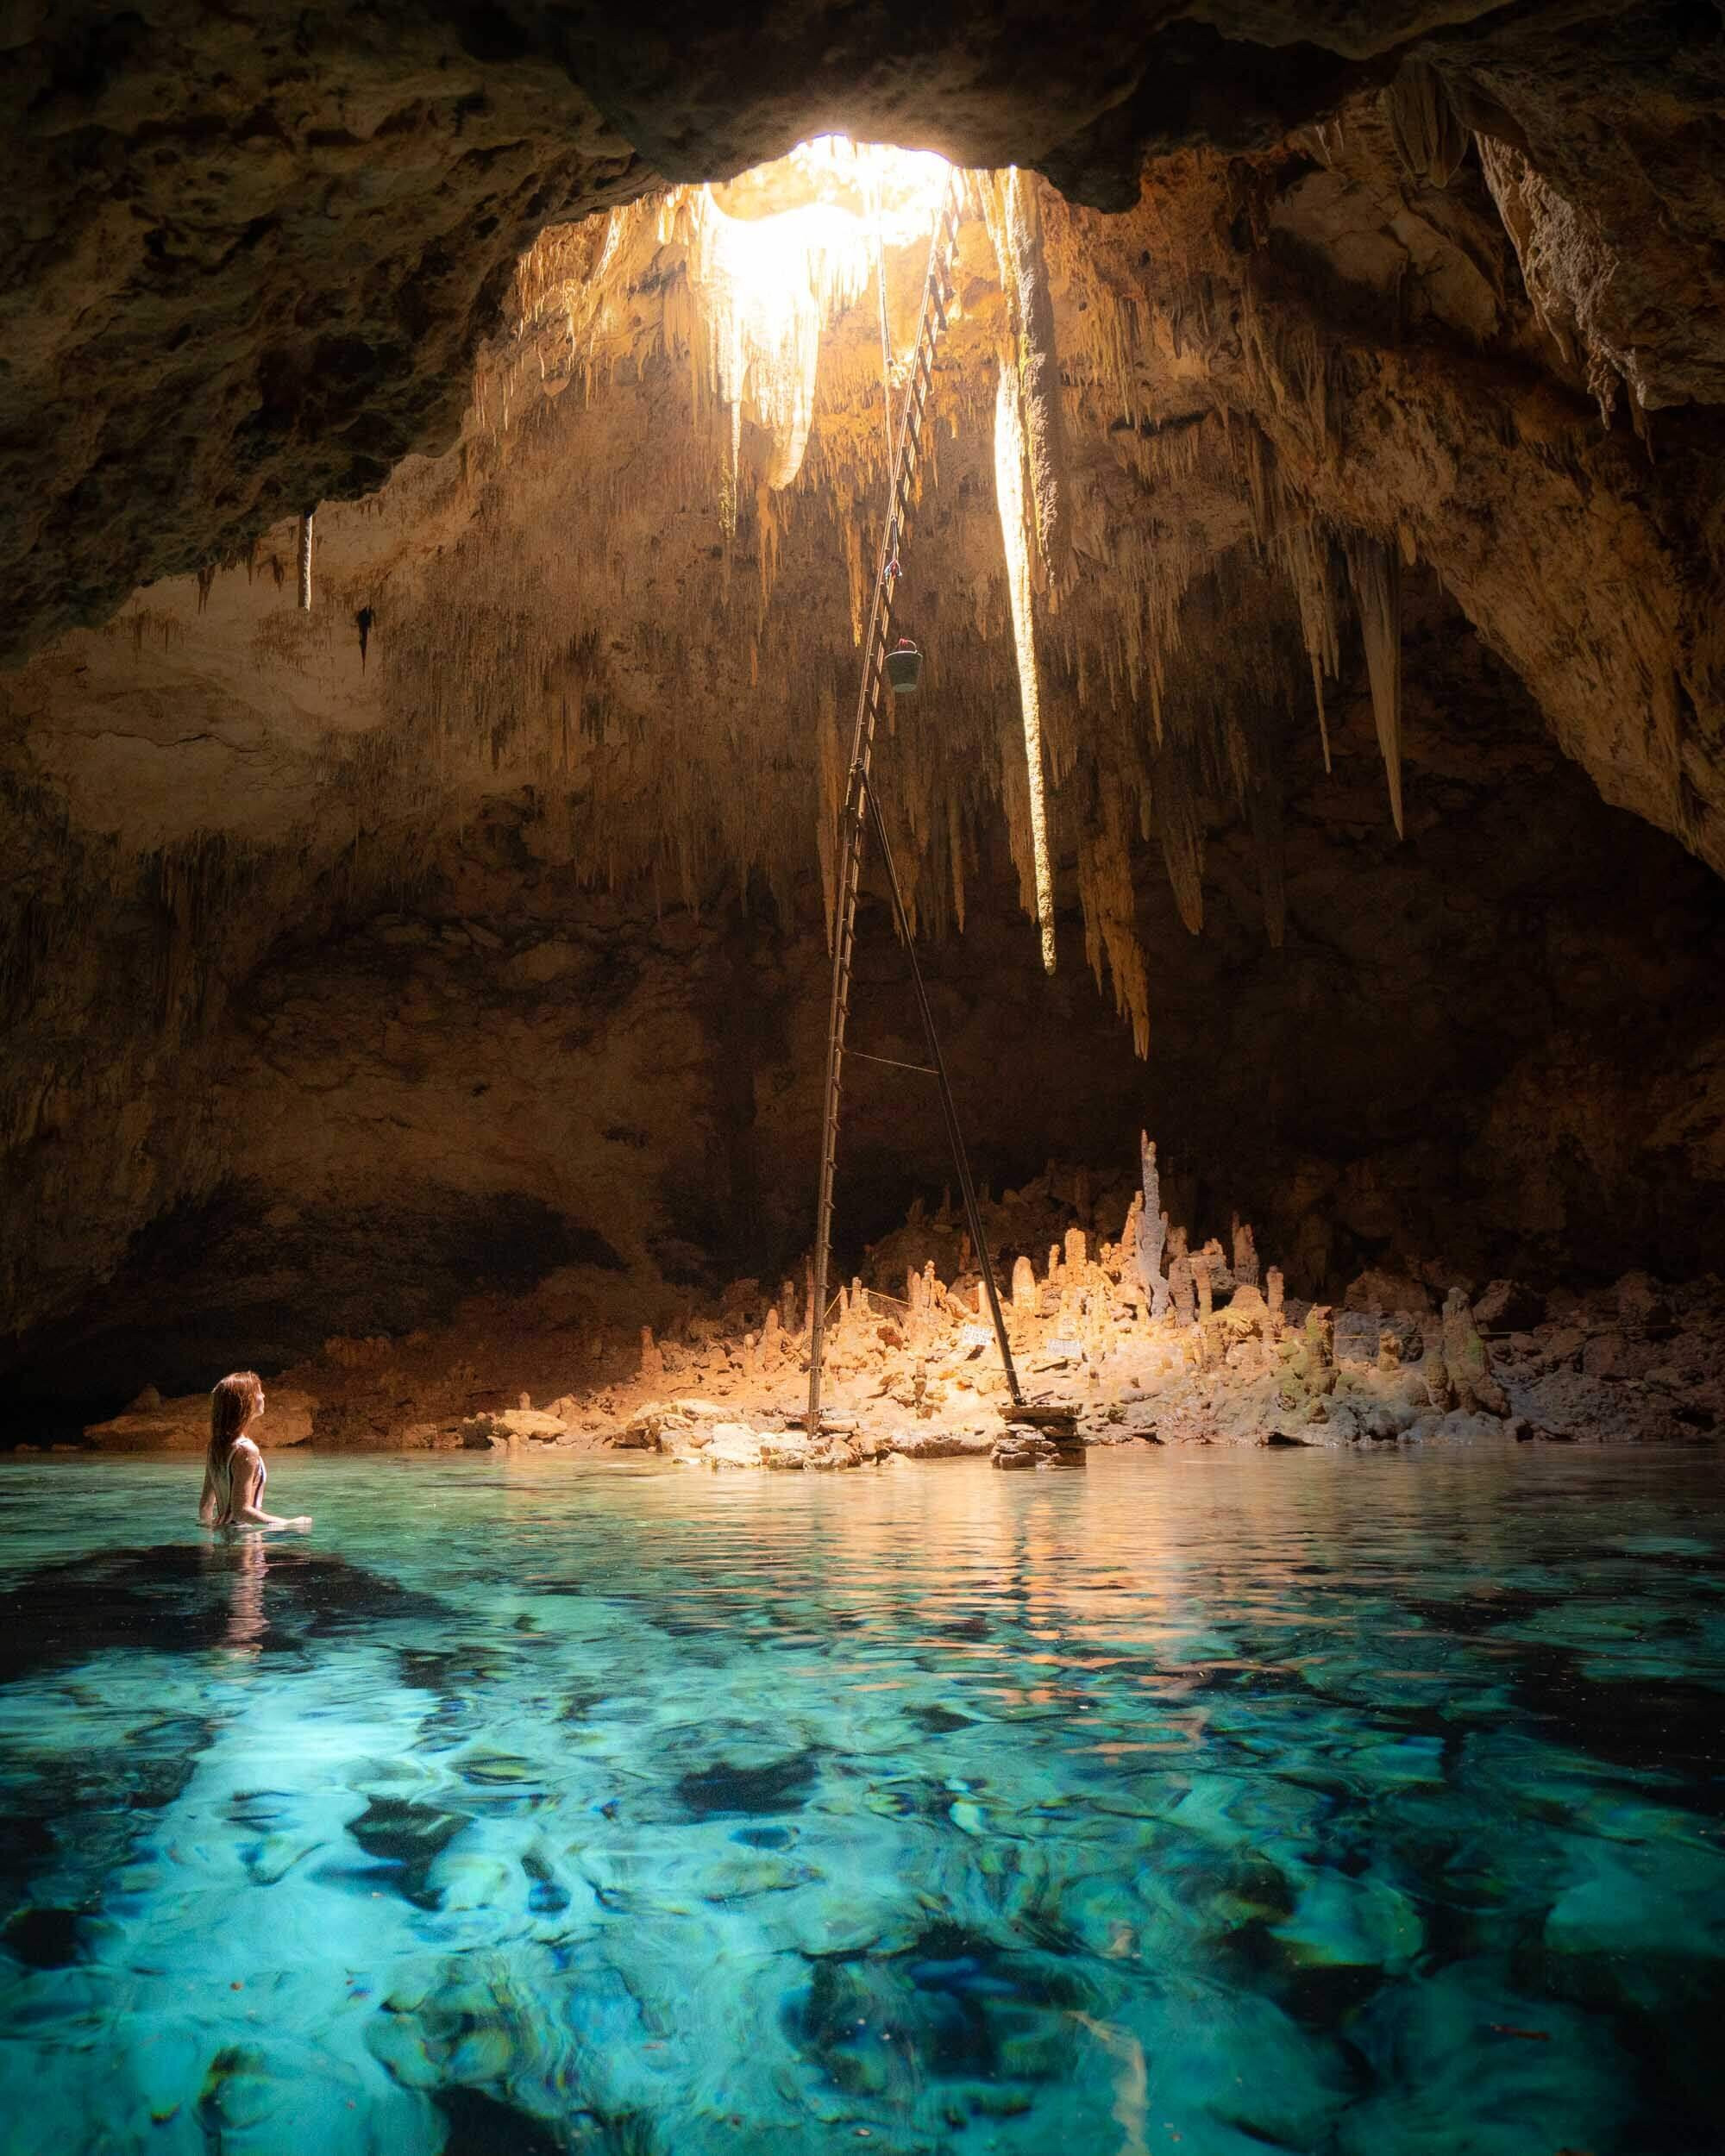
[
  {"x": 1024, "y": 1284},
  {"x": 1076, "y": 1255},
  {"x": 1152, "y": 1229},
  {"x": 1181, "y": 1290},
  {"x": 1009, "y": 496},
  {"x": 1244, "y": 1253},
  {"x": 1201, "y": 1281},
  {"x": 1466, "y": 1360},
  {"x": 1054, "y": 1264},
  {"x": 1376, "y": 571},
  {"x": 1273, "y": 1293}
]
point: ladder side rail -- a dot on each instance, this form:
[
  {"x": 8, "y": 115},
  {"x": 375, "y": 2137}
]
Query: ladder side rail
[{"x": 930, "y": 323}]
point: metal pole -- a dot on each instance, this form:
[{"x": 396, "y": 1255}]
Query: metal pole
[{"x": 961, "y": 1159}]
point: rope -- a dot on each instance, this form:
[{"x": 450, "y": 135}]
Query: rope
[{"x": 886, "y": 338}]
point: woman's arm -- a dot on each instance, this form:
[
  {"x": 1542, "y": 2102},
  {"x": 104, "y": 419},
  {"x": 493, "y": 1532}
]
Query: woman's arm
[
  {"x": 206, "y": 1504},
  {"x": 248, "y": 1477}
]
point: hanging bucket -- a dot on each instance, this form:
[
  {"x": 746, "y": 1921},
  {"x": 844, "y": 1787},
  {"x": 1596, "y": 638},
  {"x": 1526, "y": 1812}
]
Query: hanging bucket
[{"x": 904, "y": 667}]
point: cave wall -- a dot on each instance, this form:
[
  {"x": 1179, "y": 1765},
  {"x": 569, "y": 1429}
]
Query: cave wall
[
  {"x": 1491, "y": 1050},
  {"x": 1466, "y": 325}
]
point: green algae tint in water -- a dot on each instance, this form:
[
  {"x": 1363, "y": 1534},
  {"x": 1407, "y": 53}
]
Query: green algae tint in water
[{"x": 1191, "y": 1803}]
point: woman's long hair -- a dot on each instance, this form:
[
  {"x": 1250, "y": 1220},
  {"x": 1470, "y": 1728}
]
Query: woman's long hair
[{"x": 233, "y": 1402}]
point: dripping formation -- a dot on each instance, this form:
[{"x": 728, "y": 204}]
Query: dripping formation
[{"x": 775, "y": 317}]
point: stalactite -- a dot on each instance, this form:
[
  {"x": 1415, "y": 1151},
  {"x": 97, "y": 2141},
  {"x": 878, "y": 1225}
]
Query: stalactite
[
  {"x": 1430, "y": 139},
  {"x": 1181, "y": 832},
  {"x": 1307, "y": 554},
  {"x": 1110, "y": 907},
  {"x": 1376, "y": 572},
  {"x": 1012, "y": 203},
  {"x": 1010, "y": 499}
]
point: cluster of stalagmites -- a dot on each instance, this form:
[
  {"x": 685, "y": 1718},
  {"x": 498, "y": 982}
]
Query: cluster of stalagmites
[{"x": 1141, "y": 1337}]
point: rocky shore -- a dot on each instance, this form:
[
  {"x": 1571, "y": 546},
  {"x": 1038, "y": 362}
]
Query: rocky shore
[{"x": 1139, "y": 1337}]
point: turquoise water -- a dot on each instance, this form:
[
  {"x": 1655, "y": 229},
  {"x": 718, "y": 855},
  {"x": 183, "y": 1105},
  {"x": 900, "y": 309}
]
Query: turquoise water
[{"x": 1190, "y": 1801}]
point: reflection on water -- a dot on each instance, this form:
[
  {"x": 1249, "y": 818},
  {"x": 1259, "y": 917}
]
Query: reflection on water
[{"x": 1196, "y": 1803}]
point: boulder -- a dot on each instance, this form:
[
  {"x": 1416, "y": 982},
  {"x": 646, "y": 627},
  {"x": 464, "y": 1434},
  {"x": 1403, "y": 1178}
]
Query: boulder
[
  {"x": 183, "y": 1425},
  {"x": 1508, "y": 1306},
  {"x": 539, "y": 963},
  {"x": 1641, "y": 1302},
  {"x": 1378, "y": 1289},
  {"x": 731, "y": 1444},
  {"x": 512, "y": 1426},
  {"x": 533, "y": 1426},
  {"x": 1357, "y": 1338},
  {"x": 941, "y": 1445}
]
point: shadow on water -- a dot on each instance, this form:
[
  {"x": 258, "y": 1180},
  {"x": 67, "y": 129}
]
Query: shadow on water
[
  {"x": 187, "y": 1598},
  {"x": 724, "y": 1790}
]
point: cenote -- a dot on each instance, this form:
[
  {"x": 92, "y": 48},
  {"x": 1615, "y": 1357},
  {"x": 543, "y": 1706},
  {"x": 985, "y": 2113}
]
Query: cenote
[
  {"x": 1195, "y": 1800},
  {"x": 861, "y": 902}
]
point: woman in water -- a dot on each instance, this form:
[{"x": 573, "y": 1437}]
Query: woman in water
[{"x": 233, "y": 1470}]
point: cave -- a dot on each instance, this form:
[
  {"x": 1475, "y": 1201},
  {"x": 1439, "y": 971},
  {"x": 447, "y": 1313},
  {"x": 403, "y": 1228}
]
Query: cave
[{"x": 486, "y": 941}]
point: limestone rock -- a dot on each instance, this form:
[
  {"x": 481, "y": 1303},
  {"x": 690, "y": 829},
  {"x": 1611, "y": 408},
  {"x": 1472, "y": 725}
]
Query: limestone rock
[
  {"x": 1507, "y": 1306},
  {"x": 1356, "y": 1340},
  {"x": 941, "y": 1445},
  {"x": 1376, "y": 1290},
  {"x": 1641, "y": 1302},
  {"x": 531, "y": 1426},
  {"x": 182, "y": 1425},
  {"x": 1465, "y": 1360}
]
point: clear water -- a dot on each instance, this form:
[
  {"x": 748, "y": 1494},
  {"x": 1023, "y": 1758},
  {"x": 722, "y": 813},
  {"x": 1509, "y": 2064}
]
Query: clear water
[{"x": 1189, "y": 1803}]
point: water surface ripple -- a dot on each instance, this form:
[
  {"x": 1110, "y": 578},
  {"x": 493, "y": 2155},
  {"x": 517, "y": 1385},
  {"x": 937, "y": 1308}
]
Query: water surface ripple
[{"x": 1191, "y": 1802}]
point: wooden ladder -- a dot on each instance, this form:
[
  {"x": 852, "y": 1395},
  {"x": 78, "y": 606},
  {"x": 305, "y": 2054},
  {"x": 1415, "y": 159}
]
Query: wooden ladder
[{"x": 860, "y": 810}]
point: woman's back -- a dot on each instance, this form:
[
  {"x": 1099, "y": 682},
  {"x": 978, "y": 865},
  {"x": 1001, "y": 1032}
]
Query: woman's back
[
  {"x": 233, "y": 1470},
  {"x": 234, "y": 1484}
]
